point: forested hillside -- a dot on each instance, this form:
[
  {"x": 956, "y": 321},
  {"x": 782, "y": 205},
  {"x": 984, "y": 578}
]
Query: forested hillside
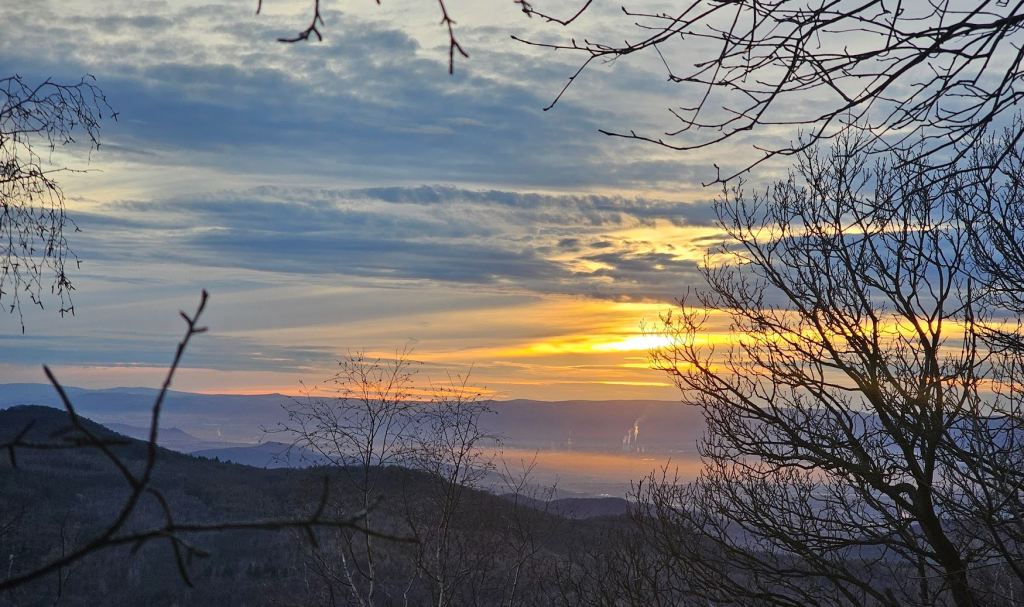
[{"x": 56, "y": 499}]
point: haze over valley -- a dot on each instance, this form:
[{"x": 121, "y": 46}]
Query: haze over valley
[{"x": 584, "y": 448}]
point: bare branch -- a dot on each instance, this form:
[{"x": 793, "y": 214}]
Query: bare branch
[{"x": 140, "y": 483}]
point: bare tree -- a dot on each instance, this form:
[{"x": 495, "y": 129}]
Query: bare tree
[
  {"x": 527, "y": 529},
  {"x": 421, "y": 454},
  {"x": 35, "y": 120},
  {"x": 930, "y": 75},
  {"x": 449, "y": 446},
  {"x": 864, "y": 426},
  {"x": 992, "y": 448},
  {"x": 991, "y": 209},
  {"x": 359, "y": 420}
]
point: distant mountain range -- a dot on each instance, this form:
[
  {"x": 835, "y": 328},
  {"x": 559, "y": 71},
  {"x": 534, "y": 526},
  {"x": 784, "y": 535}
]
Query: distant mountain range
[
  {"x": 584, "y": 448},
  {"x": 174, "y": 439},
  {"x": 222, "y": 418},
  {"x": 201, "y": 422},
  {"x": 271, "y": 454}
]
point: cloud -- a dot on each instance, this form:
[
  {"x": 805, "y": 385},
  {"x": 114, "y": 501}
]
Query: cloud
[
  {"x": 593, "y": 208},
  {"x": 209, "y": 87},
  {"x": 285, "y": 178},
  {"x": 213, "y": 351},
  {"x": 426, "y": 234}
]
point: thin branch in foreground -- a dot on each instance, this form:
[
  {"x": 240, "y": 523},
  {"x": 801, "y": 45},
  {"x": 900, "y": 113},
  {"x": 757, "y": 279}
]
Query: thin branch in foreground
[{"x": 140, "y": 483}]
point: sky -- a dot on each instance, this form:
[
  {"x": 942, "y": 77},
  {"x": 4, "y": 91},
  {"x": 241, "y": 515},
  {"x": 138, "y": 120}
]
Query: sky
[{"x": 351, "y": 195}]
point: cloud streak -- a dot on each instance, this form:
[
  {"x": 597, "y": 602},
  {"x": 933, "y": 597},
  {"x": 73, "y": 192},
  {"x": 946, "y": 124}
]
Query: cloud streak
[
  {"x": 351, "y": 194},
  {"x": 435, "y": 234},
  {"x": 210, "y": 87}
]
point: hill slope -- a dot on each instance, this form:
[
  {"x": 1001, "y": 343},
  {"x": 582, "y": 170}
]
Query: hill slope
[{"x": 57, "y": 499}]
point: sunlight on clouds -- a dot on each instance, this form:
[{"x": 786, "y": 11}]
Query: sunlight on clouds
[
  {"x": 682, "y": 242},
  {"x": 534, "y": 266},
  {"x": 635, "y": 343},
  {"x": 636, "y": 383}
]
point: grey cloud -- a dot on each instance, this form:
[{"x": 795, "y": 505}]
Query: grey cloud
[
  {"x": 590, "y": 208},
  {"x": 374, "y": 257},
  {"x": 214, "y": 90},
  {"x": 118, "y": 23},
  {"x": 659, "y": 275},
  {"x": 435, "y": 234},
  {"x": 212, "y": 352}
]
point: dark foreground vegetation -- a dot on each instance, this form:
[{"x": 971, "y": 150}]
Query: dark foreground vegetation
[
  {"x": 513, "y": 549},
  {"x": 501, "y": 550}
]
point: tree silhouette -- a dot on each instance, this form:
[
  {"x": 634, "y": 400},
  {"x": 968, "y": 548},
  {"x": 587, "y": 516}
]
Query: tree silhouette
[
  {"x": 930, "y": 76},
  {"x": 372, "y": 414},
  {"x": 35, "y": 120},
  {"x": 933, "y": 76},
  {"x": 865, "y": 425}
]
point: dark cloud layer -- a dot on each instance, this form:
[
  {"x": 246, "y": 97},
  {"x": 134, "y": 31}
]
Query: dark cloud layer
[{"x": 364, "y": 104}]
